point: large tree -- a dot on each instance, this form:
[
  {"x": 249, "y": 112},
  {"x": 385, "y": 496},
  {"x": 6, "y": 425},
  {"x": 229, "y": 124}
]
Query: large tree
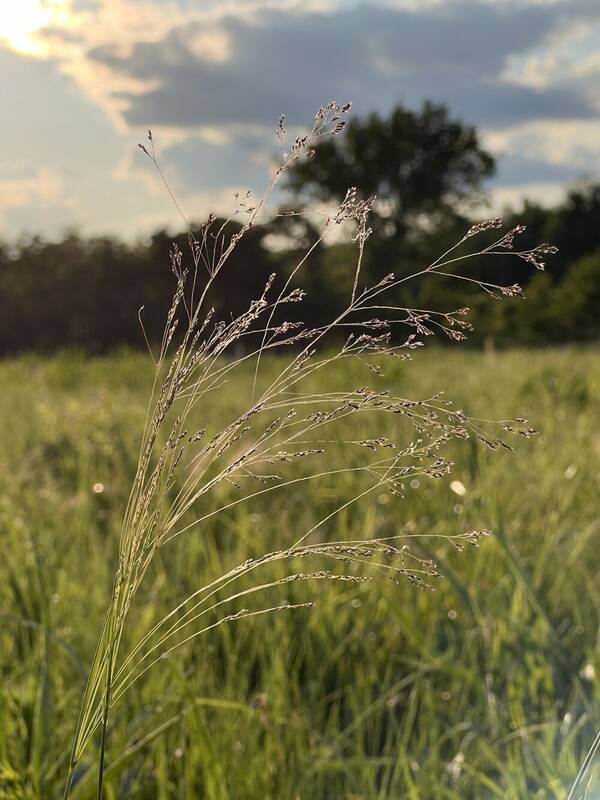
[{"x": 424, "y": 166}]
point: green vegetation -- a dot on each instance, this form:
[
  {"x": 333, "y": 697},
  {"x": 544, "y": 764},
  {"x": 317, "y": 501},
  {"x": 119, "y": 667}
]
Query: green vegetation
[
  {"x": 427, "y": 171},
  {"x": 486, "y": 687}
]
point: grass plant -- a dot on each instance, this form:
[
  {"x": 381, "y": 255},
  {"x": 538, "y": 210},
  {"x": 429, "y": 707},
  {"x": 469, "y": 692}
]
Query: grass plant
[{"x": 250, "y": 420}]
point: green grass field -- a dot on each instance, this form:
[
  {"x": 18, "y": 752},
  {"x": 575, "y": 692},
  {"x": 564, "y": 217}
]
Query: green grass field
[{"x": 487, "y": 687}]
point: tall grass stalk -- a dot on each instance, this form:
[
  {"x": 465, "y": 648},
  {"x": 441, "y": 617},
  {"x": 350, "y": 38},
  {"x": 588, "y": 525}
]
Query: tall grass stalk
[{"x": 182, "y": 471}]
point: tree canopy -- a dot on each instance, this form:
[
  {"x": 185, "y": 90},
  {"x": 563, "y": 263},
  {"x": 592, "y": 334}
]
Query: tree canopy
[{"x": 423, "y": 166}]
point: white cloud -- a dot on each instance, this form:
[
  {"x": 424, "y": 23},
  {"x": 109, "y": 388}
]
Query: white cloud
[
  {"x": 574, "y": 143},
  {"x": 546, "y": 194},
  {"x": 22, "y": 185},
  {"x": 34, "y": 199}
]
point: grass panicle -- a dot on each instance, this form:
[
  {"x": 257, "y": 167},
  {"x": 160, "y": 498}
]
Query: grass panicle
[{"x": 285, "y": 433}]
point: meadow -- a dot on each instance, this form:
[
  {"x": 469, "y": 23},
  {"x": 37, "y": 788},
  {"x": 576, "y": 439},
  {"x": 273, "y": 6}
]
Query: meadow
[{"x": 486, "y": 687}]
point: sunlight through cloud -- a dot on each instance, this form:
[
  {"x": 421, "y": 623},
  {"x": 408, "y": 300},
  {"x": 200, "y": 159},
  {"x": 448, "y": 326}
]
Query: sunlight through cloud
[{"x": 20, "y": 21}]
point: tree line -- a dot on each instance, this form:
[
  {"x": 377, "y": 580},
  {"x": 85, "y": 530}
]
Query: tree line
[{"x": 427, "y": 170}]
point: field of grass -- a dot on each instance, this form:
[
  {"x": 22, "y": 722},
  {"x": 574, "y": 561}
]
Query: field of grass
[{"x": 487, "y": 687}]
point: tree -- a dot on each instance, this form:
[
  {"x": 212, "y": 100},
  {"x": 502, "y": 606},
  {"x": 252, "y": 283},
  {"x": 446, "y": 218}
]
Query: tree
[
  {"x": 578, "y": 226},
  {"x": 573, "y": 226},
  {"x": 577, "y": 301},
  {"x": 423, "y": 166}
]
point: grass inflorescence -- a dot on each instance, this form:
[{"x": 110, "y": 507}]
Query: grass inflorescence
[{"x": 285, "y": 425}]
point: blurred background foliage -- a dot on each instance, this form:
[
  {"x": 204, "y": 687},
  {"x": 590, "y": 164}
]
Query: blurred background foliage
[{"x": 428, "y": 170}]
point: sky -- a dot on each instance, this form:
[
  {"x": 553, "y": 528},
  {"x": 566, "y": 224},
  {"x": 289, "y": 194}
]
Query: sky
[{"x": 82, "y": 80}]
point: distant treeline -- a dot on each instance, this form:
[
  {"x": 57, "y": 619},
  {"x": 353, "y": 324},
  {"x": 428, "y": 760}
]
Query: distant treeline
[
  {"x": 423, "y": 166},
  {"x": 86, "y": 292}
]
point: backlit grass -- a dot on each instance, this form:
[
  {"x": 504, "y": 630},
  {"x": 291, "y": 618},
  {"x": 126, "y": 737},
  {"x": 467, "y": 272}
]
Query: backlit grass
[{"x": 486, "y": 687}]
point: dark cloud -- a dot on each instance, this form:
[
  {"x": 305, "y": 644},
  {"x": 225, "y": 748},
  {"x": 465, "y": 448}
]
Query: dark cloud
[
  {"x": 516, "y": 170},
  {"x": 376, "y": 56},
  {"x": 202, "y": 165},
  {"x": 85, "y": 5},
  {"x": 53, "y": 33}
]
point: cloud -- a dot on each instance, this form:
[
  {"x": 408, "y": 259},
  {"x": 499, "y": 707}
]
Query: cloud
[
  {"x": 33, "y": 198},
  {"x": 517, "y": 170},
  {"x": 45, "y": 118},
  {"x": 200, "y": 163},
  {"x": 21, "y": 184},
  {"x": 378, "y": 55},
  {"x": 212, "y": 78},
  {"x": 546, "y": 194},
  {"x": 535, "y": 154}
]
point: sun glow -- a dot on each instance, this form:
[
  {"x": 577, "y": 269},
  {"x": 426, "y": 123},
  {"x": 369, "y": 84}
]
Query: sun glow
[{"x": 20, "y": 20}]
